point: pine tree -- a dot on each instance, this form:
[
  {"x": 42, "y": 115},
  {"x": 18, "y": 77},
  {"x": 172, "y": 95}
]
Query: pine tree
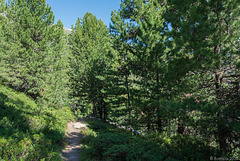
[
  {"x": 2, "y": 24},
  {"x": 2, "y": 6},
  {"x": 139, "y": 29},
  {"x": 9, "y": 47},
  {"x": 34, "y": 51},
  {"x": 183, "y": 57},
  {"x": 58, "y": 67},
  {"x": 90, "y": 47},
  {"x": 206, "y": 35}
]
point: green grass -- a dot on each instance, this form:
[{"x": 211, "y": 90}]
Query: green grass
[{"x": 26, "y": 135}]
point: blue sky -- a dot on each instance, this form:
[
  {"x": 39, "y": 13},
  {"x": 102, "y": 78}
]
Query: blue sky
[{"x": 69, "y": 10}]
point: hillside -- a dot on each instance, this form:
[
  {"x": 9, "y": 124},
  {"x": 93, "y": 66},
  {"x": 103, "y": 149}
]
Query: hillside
[{"x": 26, "y": 135}]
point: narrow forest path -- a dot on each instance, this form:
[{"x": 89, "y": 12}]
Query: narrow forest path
[{"x": 72, "y": 150}]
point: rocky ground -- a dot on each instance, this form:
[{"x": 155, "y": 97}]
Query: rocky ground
[{"x": 72, "y": 150}]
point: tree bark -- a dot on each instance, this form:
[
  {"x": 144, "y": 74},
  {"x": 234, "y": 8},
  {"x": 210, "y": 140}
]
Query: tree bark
[
  {"x": 223, "y": 131},
  {"x": 94, "y": 109},
  {"x": 128, "y": 102},
  {"x": 105, "y": 113}
]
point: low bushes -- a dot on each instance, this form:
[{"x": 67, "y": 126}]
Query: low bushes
[
  {"x": 106, "y": 142},
  {"x": 26, "y": 135}
]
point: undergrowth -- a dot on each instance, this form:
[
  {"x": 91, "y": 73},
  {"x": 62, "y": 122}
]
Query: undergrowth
[
  {"x": 27, "y": 135},
  {"x": 106, "y": 142}
]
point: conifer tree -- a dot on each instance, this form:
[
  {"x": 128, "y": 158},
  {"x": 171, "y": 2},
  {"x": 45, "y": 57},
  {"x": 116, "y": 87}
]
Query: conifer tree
[
  {"x": 139, "y": 28},
  {"x": 205, "y": 34},
  {"x": 185, "y": 59},
  {"x": 58, "y": 67},
  {"x": 90, "y": 47},
  {"x": 34, "y": 51},
  {"x": 2, "y": 23},
  {"x": 2, "y": 6}
]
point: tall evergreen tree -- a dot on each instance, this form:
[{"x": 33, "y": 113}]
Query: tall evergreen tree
[
  {"x": 185, "y": 59},
  {"x": 139, "y": 28},
  {"x": 2, "y": 6},
  {"x": 2, "y": 24},
  {"x": 57, "y": 76},
  {"x": 34, "y": 50},
  {"x": 90, "y": 47},
  {"x": 206, "y": 35}
]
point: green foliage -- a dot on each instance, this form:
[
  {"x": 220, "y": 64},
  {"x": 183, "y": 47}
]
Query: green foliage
[
  {"x": 111, "y": 143},
  {"x": 138, "y": 30},
  {"x": 169, "y": 69},
  {"x": 90, "y": 60},
  {"x": 24, "y": 135},
  {"x": 33, "y": 52},
  {"x": 190, "y": 148},
  {"x": 200, "y": 37},
  {"x": 179, "y": 71}
]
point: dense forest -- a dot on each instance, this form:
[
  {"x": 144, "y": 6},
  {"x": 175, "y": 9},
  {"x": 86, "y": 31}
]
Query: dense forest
[{"x": 164, "y": 79}]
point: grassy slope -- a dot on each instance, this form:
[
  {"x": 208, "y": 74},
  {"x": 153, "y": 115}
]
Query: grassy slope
[{"x": 24, "y": 135}]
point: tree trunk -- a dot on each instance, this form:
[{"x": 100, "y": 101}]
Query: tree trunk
[
  {"x": 223, "y": 136},
  {"x": 128, "y": 102},
  {"x": 94, "y": 109},
  {"x": 100, "y": 112},
  {"x": 148, "y": 126},
  {"x": 160, "y": 129},
  {"x": 180, "y": 129},
  {"x": 105, "y": 113},
  {"x": 100, "y": 107},
  {"x": 223, "y": 131},
  {"x": 159, "y": 121}
]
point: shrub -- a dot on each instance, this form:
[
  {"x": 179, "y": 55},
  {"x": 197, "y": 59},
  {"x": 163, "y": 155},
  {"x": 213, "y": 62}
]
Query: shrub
[
  {"x": 189, "y": 148},
  {"x": 107, "y": 142},
  {"x": 26, "y": 135}
]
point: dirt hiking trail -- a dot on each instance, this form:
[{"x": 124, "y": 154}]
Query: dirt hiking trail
[{"x": 72, "y": 150}]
